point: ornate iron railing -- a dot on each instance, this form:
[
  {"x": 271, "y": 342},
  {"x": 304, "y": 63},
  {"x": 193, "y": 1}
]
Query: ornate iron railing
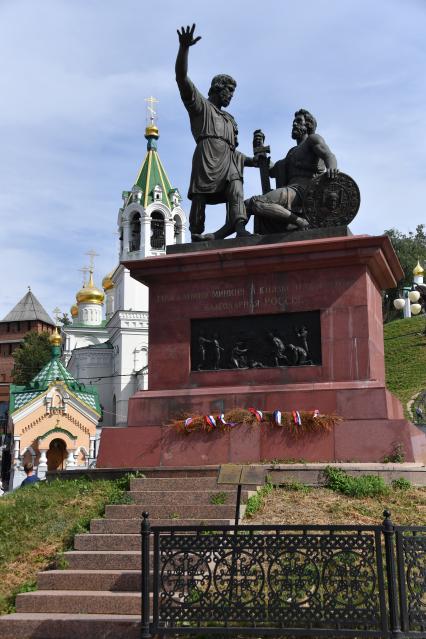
[
  {"x": 316, "y": 581},
  {"x": 411, "y": 557}
]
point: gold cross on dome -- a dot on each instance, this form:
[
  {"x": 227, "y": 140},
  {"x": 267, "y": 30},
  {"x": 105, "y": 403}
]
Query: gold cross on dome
[
  {"x": 92, "y": 254},
  {"x": 84, "y": 270},
  {"x": 151, "y": 111}
]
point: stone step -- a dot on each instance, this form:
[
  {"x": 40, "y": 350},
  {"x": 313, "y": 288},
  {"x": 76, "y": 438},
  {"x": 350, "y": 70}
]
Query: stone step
[
  {"x": 134, "y": 525},
  {"x": 68, "y": 626},
  {"x": 98, "y": 595},
  {"x": 191, "y": 498},
  {"x": 174, "y": 512},
  {"x": 175, "y": 483},
  {"x": 114, "y": 580},
  {"x": 103, "y": 560},
  {"x": 80, "y": 602},
  {"x": 88, "y": 541}
]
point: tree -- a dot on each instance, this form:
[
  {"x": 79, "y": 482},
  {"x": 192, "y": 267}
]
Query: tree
[
  {"x": 409, "y": 248},
  {"x": 64, "y": 319},
  {"x": 33, "y": 353}
]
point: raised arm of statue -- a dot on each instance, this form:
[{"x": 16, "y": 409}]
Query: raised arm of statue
[{"x": 186, "y": 40}]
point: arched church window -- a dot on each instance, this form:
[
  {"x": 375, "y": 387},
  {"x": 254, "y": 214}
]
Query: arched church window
[
  {"x": 175, "y": 197},
  {"x": 178, "y": 229},
  {"x": 158, "y": 193},
  {"x": 120, "y": 238},
  {"x": 158, "y": 238},
  {"x": 135, "y": 233}
]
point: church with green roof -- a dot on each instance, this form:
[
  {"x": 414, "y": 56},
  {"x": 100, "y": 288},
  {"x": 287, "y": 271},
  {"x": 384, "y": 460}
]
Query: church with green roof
[
  {"x": 151, "y": 216},
  {"x": 115, "y": 350},
  {"x": 53, "y": 420}
]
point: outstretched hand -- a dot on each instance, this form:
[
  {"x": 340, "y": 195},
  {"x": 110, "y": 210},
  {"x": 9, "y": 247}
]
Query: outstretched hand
[{"x": 186, "y": 37}]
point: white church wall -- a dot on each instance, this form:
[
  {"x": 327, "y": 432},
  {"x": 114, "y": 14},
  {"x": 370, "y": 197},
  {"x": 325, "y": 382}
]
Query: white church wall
[
  {"x": 94, "y": 366},
  {"x": 129, "y": 338},
  {"x": 81, "y": 338},
  {"x": 126, "y": 303},
  {"x": 128, "y": 293}
]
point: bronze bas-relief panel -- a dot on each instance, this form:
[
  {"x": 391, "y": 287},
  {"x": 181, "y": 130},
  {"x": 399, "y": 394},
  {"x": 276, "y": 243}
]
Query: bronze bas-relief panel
[{"x": 260, "y": 341}]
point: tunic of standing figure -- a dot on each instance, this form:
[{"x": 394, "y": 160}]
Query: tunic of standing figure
[{"x": 215, "y": 162}]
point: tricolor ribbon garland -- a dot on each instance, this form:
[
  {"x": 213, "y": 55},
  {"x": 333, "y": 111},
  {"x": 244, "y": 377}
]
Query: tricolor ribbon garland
[
  {"x": 277, "y": 418},
  {"x": 210, "y": 420},
  {"x": 296, "y": 418},
  {"x": 257, "y": 413},
  {"x": 220, "y": 420}
]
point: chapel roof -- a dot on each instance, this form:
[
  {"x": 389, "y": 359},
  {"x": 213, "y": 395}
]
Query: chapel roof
[{"x": 53, "y": 372}]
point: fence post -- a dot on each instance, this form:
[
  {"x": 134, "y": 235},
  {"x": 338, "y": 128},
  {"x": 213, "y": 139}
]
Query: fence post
[
  {"x": 389, "y": 534},
  {"x": 145, "y": 611}
]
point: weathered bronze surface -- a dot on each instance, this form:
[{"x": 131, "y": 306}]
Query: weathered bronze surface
[
  {"x": 259, "y": 341},
  {"x": 309, "y": 192},
  {"x": 281, "y": 210},
  {"x": 331, "y": 202},
  {"x": 217, "y": 167},
  {"x": 258, "y": 240}
]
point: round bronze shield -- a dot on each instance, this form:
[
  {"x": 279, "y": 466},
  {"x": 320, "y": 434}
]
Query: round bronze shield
[{"x": 331, "y": 201}]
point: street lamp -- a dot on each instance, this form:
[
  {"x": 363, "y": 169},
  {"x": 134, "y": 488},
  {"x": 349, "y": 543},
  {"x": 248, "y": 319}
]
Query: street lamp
[{"x": 408, "y": 302}]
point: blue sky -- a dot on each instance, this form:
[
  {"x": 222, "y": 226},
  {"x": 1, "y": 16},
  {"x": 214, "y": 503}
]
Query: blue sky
[{"x": 74, "y": 75}]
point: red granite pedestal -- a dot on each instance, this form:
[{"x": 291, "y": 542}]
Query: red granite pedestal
[{"x": 342, "y": 278}]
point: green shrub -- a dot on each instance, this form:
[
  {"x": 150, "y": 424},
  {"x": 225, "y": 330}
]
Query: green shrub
[
  {"x": 362, "y": 486},
  {"x": 296, "y": 486},
  {"x": 397, "y": 456},
  {"x": 218, "y": 499},
  {"x": 401, "y": 484},
  {"x": 255, "y": 502}
]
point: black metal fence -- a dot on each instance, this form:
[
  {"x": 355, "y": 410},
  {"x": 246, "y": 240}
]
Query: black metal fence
[{"x": 310, "y": 581}]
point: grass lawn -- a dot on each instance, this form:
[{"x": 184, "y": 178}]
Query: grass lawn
[
  {"x": 324, "y": 506},
  {"x": 39, "y": 522},
  {"x": 405, "y": 357}
]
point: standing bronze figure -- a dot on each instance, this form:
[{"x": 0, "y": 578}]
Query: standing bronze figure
[{"x": 217, "y": 167}]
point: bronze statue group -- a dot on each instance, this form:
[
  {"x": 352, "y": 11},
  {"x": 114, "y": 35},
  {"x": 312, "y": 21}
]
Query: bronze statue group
[{"x": 217, "y": 165}]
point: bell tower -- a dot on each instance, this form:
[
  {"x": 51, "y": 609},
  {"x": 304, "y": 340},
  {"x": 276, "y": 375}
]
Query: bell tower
[{"x": 151, "y": 216}]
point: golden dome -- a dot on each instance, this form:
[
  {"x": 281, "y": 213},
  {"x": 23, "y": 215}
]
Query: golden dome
[
  {"x": 107, "y": 283},
  {"x": 74, "y": 310},
  {"x": 418, "y": 270},
  {"x": 55, "y": 339},
  {"x": 90, "y": 294},
  {"x": 151, "y": 130}
]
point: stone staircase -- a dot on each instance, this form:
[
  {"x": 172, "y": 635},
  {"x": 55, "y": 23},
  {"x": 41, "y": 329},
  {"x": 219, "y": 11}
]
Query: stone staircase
[{"x": 98, "y": 594}]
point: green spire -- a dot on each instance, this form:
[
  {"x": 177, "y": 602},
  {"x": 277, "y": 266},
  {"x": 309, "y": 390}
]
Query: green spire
[{"x": 152, "y": 173}]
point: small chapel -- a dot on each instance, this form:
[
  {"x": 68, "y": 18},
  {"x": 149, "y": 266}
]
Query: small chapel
[
  {"x": 53, "y": 420},
  {"x": 110, "y": 348}
]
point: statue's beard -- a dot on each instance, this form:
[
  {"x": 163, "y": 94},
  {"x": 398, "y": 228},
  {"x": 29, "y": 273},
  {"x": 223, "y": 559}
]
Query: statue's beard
[{"x": 298, "y": 132}]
